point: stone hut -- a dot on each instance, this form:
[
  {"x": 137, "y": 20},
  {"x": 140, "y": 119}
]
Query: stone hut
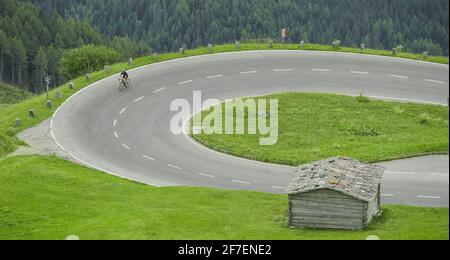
[{"x": 337, "y": 193}]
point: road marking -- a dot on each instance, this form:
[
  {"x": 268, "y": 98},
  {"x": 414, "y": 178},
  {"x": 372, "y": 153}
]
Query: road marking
[
  {"x": 185, "y": 82},
  {"x": 439, "y": 174},
  {"x": 283, "y": 70},
  {"x": 158, "y": 90},
  {"x": 241, "y": 182},
  {"x": 214, "y": 76},
  {"x": 174, "y": 167},
  {"x": 116, "y": 135},
  {"x": 435, "y": 81},
  {"x": 321, "y": 70},
  {"x": 401, "y": 173},
  {"x": 359, "y": 72},
  {"x": 139, "y": 99},
  {"x": 115, "y": 123},
  {"x": 148, "y": 157},
  {"x": 428, "y": 197},
  {"x": 279, "y": 188},
  {"x": 126, "y": 146},
  {"x": 398, "y": 76},
  {"x": 250, "y": 72},
  {"x": 123, "y": 110},
  {"x": 387, "y": 195},
  {"x": 207, "y": 175}
]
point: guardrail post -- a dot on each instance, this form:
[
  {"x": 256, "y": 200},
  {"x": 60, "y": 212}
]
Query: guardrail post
[
  {"x": 71, "y": 85},
  {"x": 302, "y": 44},
  {"x": 130, "y": 61},
  {"x": 18, "y": 122},
  {"x": 49, "y": 104},
  {"x": 88, "y": 77},
  {"x": 210, "y": 48},
  {"x": 32, "y": 113}
]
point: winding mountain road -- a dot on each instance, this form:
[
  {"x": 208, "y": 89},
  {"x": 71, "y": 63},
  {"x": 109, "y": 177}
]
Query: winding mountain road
[{"x": 128, "y": 134}]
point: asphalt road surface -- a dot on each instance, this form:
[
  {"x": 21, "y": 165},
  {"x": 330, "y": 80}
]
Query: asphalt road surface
[{"x": 128, "y": 133}]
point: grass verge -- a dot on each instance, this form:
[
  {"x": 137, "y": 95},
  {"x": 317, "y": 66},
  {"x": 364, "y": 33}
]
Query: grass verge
[
  {"x": 8, "y": 115},
  {"x": 12, "y": 95},
  {"x": 49, "y": 198},
  {"x": 317, "y": 126}
]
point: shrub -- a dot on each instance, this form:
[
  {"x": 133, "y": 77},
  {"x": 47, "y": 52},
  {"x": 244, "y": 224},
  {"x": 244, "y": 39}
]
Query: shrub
[
  {"x": 88, "y": 58},
  {"x": 362, "y": 99},
  {"x": 425, "y": 119},
  {"x": 399, "y": 110},
  {"x": 364, "y": 131},
  {"x": 336, "y": 44}
]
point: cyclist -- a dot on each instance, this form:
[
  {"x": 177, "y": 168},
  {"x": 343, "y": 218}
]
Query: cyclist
[
  {"x": 124, "y": 81},
  {"x": 124, "y": 76}
]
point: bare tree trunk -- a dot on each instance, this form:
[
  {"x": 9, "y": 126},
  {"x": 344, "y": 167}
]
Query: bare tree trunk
[
  {"x": 13, "y": 68},
  {"x": 19, "y": 74},
  {"x": 1, "y": 64}
]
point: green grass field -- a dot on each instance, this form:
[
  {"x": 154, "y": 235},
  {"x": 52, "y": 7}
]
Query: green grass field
[
  {"x": 49, "y": 198},
  {"x": 318, "y": 126}
]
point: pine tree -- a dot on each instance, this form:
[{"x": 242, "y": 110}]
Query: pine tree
[{"x": 40, "y": 64}]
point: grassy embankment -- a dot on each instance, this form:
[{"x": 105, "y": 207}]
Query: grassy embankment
[
  {"x": 12, "y": 95},
  {"x": 318, "y": 126},
  {"x": 48, "y": 198}
]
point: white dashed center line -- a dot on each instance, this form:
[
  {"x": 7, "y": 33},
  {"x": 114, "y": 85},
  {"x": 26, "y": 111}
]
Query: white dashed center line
[
  {"x": 126, "y": 147},
  {"x": 321, "y": 70},
  {"x": 116, "y": 135},
  {"x": 185, "y": 82},
  {"x": 279, "y": 188},
  {"x": 148, "y": 157},
  {"x": 401, "y": 173},
  {"x": 429, "y": 197},
  {"x": 207, "y": 175},
  {"x": 399, "y": 76},
  {"x": 439, "y": 174},
  {"x": 123, "y": 110},
  {"x": 249, "y": 72},
  {"x": 139, "y": 99},
  {"x": 174, "y": 167},
  {"x": 359, "y": 72},
  {"x": 158, "y": 90},
  {"x": 241, "y": 182},
  {"x": 115, "y": 123},
  {"x": 282, "y": 70},
  {"x": 434, "y": 81},
  {"x": 214, "y": 76}
]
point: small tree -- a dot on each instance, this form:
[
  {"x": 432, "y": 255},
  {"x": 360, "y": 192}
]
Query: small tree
[{"x": 86, "y": 59}]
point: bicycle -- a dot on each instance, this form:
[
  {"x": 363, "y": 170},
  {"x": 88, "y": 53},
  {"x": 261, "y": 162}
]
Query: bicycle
[{"x": 124, "y": 84}]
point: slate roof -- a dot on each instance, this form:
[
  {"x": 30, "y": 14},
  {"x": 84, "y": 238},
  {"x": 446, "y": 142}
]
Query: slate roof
[{"x": 341, "y": 174}]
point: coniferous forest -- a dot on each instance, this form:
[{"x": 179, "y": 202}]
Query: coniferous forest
[{"x": 35, "y": 33}]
